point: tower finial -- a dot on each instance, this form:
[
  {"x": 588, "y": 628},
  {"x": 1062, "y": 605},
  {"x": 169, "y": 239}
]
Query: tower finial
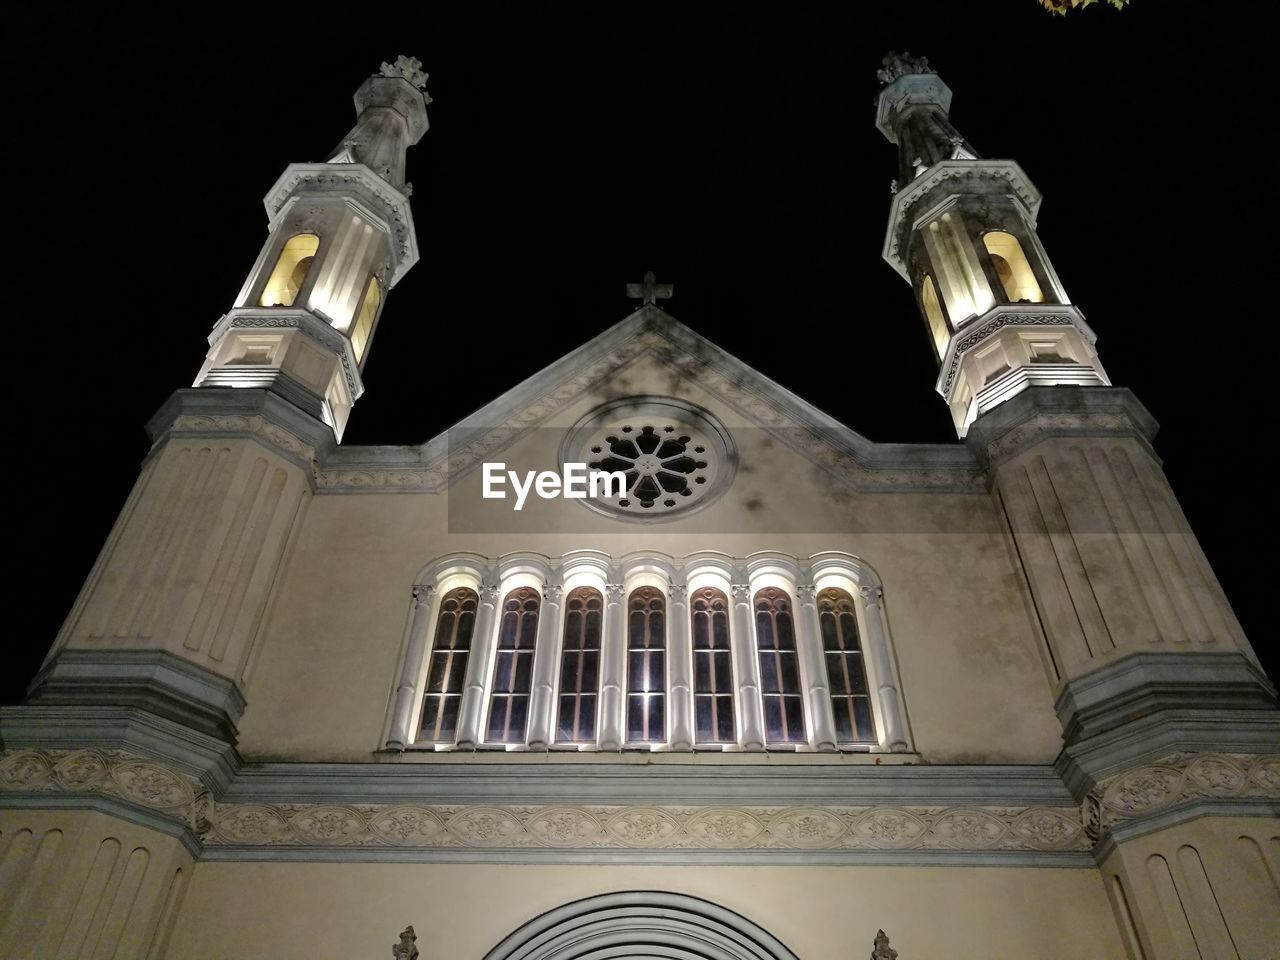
[
  {"x": 407, "y": 68},
  {"x": 897, "y": 65}
]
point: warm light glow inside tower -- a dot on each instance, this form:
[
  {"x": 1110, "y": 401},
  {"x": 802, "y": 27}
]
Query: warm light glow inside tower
[
  {"x": 962, "y": 232},
  {"x": 341, "y": 235}
]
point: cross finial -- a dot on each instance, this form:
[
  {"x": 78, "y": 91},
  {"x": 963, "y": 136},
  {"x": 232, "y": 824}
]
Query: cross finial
[
  {"x": 650, "y": 291},
  {"x": 882, "y": 949}
]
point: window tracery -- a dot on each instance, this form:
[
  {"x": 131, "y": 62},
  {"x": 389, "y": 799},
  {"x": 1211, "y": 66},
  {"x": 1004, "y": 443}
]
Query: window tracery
[{"x": 787, "y": 666}]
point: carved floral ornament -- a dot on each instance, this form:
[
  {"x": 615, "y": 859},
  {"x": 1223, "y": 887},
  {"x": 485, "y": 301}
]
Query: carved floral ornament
[
  {"x": 585, "y": 827},
  {"x": 179, "y": 796},
  {"x": 1176, "y": 779}
]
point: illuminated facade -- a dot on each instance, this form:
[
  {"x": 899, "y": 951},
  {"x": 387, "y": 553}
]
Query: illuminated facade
[{"x": 787, "y": 694}]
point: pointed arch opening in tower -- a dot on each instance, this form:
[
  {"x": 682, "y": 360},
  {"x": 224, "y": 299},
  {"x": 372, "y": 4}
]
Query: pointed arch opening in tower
[
  {"x": 1012, "y": 267},
  {"x": 291, "y": 269}
]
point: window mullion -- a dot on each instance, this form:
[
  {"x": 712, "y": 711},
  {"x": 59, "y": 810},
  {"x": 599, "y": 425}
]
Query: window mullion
[
  {"x": 406, "y": 691},
  {"x": 613, "y": 669},
  {"x": 747, "y": 670},
  {"x": 483, "y": 639},
  {"x": 680, "y": 668},
  {"x": 542, "y": 701},
  {"x": 813, "y": 669},
  {"x": 878, "y": 647}
]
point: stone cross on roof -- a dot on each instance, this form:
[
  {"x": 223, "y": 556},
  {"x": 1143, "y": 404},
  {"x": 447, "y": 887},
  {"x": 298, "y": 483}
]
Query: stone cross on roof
[{"x": 650, "y": 291}]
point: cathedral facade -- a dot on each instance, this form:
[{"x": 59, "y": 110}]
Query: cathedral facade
[{"x": 648, "y": 657}]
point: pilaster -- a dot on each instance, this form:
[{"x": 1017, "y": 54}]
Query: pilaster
[{"x": 1170, "y": 728}]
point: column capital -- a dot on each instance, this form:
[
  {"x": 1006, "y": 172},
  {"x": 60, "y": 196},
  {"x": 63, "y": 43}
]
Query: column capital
[
  {"x": 552, "y": 591},
  {"x": 741, "y": 592},
  {"x": 870, "y": 594},
  {"x": 678, "y": 592},
  {"x": 614, "y": 591},
  {"x": 806, "y": 592},
  {"x": 488, "y": 592},
  {"x": 423, "y": 592}
]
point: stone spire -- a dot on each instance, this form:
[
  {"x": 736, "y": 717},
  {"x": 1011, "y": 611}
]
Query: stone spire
[
  {"x": 391, "y": 116},
  {"x": 913, "y": 112},
  {"x": 962, "y": 232},
  {"x": 340, "y": 236}
]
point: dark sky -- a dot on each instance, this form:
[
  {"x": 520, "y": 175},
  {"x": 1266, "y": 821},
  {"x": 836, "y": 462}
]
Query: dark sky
[{"x": 728, "y": 147}]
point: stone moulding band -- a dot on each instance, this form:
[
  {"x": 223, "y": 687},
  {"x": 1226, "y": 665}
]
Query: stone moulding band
[
  {"x": 266, "y": 828},
  {"x": 741, "y": 833}
]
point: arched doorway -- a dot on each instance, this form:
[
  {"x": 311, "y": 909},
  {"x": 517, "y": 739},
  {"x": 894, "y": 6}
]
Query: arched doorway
[{"x": 640, "y": 925}]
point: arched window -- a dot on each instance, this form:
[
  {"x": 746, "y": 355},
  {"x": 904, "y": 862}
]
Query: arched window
[
  {"x": 363, "y": 326},
  {"x": 712, "y": 670},
  {"x": 448, "y": 665},
  {"x": 646, "y": 666},
  {"x": 1012, "y": 268},
  {"x": 291, "y": 270},
  {"x": 513, "y": 666},
  {"x": 933, "y": 313},
  {"x": 580, "y": 667},
  {"x": 846, "y": 672},
  {"x": 779, "y": 668}
]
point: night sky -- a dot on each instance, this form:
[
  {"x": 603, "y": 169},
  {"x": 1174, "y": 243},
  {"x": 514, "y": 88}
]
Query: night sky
[{"x": 728, "y": 147}]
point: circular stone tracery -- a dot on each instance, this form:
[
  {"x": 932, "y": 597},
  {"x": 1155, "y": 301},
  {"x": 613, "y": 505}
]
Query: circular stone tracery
[{"x": 674, "y": 456}]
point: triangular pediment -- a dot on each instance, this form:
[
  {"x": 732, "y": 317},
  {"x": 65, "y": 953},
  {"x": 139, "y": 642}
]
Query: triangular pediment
[{"x": 650, "y": 335}]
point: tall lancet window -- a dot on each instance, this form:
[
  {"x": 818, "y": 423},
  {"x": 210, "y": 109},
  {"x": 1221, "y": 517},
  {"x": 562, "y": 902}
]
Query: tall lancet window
[
  {"x": 779, "y": 668},
  {"x": 290, "y": 273},
  {"x": 580, "y": 667},
  {"x": 712, "y": 670},
  {"x": 846, "y": 672},
  {"x": 448, "y": 666},
  {"x": 646, "y": 666},
  {"x": 513, "y": 666}
]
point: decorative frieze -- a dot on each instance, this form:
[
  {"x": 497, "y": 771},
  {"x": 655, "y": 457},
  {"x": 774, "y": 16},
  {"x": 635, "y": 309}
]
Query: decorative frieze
[
  {"x": 1178, "y": 779},
  {"x": 584, "y": 827},
  {"x": 108, "y": 773},
  {"x": 681, "y": 827},
  {"x": 258, "y": 427}
]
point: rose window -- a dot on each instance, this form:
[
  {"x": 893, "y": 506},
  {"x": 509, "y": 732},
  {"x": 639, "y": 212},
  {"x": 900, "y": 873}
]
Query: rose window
[{"x": 671, "y": 454}]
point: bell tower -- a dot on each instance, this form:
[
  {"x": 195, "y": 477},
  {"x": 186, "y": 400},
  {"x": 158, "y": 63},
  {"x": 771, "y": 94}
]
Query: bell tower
[
  {"x": 1163, "y": 705},
  {"x": 962, "y": 232},
  {"x": 340, "y": 236}
]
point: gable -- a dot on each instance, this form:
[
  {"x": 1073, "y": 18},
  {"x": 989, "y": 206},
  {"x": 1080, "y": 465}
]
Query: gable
[{"x": 651, "y": 350}]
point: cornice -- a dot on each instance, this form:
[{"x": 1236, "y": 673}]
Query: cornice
[
  {"x": 357, "y": 181},
  {"x": 306, "y": 323},
  {"x": 272, "y": 829},
  {"x": 900, "y": 213},
  {"x": 1042, "y": 412},
  {"x": 1006, "y": 315}
]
